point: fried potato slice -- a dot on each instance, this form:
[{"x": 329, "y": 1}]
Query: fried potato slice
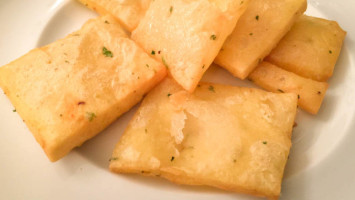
[
  {"x": 186, "y": 35},
  {"x": 70, "y": 90},
  {"x": 128, "y": 12},
  {"x": 274, "y": 79},
  {"x": 258, "y": 31},
  {"x": 310, "y": 49},
  {"x": 232, "y": 138}
]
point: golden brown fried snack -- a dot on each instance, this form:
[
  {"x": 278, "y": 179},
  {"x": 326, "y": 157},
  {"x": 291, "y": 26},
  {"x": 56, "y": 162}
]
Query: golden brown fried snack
[
  {"x": 258, "y": 31},
  {"x": 128, "y": 12},
  {"x": 310, "y": 49},
  {"x": 232, "y": 138},
  {"x": 186, "y": 36},
  {"x": 274, "y": 79},
  {"x": 70, "y": 90}
]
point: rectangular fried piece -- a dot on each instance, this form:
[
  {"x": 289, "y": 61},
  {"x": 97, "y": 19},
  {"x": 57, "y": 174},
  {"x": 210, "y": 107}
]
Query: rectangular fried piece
[
  {"x": 274, "y": 79},
  {"x": 128, "y": 12},
  {"x": 70, "y": 90},
  {"x": 258, "y": 31},
  {"x": 310, "y": 49},
  {"x": 186, "y": 35},
  {"x": 232, "y": 138}
]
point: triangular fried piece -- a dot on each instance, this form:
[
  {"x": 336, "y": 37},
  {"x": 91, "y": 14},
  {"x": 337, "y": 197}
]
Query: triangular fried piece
[
  {"x": 186, "y": 35},
  {"x": 128, "y": 12}
]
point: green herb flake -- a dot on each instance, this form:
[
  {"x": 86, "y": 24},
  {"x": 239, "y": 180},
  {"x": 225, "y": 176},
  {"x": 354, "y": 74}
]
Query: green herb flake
[
  {"x": 241, "y": 2},
  {"x": 147, "y": 65},
  {"x": 106, "y": 22},
  {"x": 171, "y": 9},
  {"x": 90, "y": 116},
  {"x": 330, "y": 51},
  {"x": 280, "y": 90},
  {"x": 213, "y": 37},
  {"x": 265, "y": 142},
  {"x": 298, "y": 96},
  {"x": 153, "y": 52},
  {"x": 169, "y": 95},
  {"x": 172, "y": 158},
  {"x": 106, "y": 52},
  {"x": 113, "y": 158},
  {"x": 66, "y": 61},
  {"x": 211, "y": 88},
  {"x": 203, "y": 67},
  {"x": 60, "y": 115},
  {"x": 14, "y": 110},
  {"x": 257, "y": 17},
  {"x": 164, "y": 62}
]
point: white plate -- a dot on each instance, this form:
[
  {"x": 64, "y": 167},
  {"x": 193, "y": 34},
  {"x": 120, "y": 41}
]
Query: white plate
[{"x": 321, "y": 164}]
